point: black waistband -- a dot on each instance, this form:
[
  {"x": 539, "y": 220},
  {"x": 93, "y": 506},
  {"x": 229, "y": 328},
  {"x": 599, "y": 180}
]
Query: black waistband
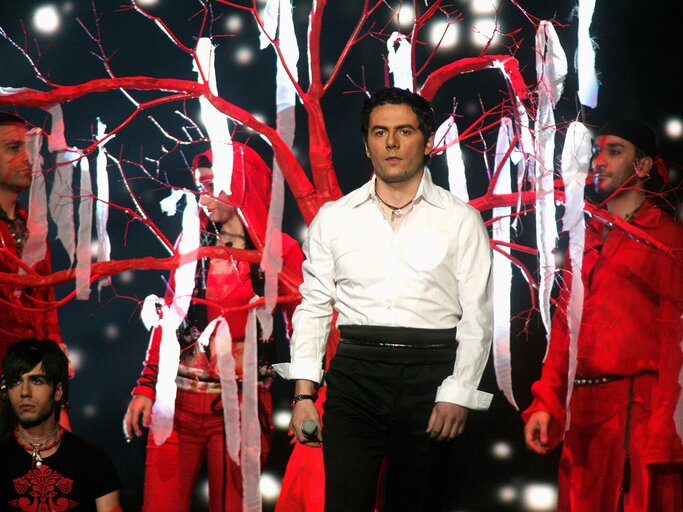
[{"x": 398, "y": 337}]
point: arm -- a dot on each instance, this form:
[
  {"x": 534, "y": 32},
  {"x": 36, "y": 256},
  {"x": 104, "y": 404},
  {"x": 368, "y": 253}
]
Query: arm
[
  {"x": 472, "y": 265},
  {"x": 311, "y": 321},
  {"x": 109, "y": 502},
  {"x": 144, "y": 393}
]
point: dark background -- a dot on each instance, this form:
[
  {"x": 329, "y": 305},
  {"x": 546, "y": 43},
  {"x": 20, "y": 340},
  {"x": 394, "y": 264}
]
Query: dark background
[{"x": 639, "y": 65}]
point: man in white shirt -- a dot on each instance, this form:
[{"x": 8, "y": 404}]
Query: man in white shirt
[{"x": 406, "y": 265}]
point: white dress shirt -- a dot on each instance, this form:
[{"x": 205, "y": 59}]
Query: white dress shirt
[{"x": 432, "y": 272}]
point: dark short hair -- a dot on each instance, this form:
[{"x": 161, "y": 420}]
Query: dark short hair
[
  {"x": 11, "y": 118},
  {"x": 22, "y": 356},
  {"x": 395, "y": 96}
]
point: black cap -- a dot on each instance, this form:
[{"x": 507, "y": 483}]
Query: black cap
[{"x": 637, "y": 133}]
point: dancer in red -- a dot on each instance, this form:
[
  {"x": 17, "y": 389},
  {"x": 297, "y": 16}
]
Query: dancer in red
[
  {"x": 22, "y": 309},
  {"x": 623, "y": 447},
  {"x": 172, "y": 468}
]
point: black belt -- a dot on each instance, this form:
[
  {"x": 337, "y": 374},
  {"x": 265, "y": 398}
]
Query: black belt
[
  {"x": 604, "y": 379},
  {"x": 398, "y": 337}
]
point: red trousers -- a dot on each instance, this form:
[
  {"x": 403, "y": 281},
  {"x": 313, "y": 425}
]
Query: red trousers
[{"x": 171, "y": 469}]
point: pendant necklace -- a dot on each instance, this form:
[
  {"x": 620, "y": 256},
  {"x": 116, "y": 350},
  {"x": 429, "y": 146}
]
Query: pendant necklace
[
  {"x": 44, "y": 445},
  {"x": 396, "y": 211}
]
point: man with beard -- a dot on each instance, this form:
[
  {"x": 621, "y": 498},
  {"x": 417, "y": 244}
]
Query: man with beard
[
  {"x": 622, "y": 449},
  {"x": 44, "y": 466},
  {"x": 23, "y": 313}
]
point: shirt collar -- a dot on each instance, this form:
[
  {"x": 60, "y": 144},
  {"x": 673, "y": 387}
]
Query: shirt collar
[{"x": 426, "y": 190}]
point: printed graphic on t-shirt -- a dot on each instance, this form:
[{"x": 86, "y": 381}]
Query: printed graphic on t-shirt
[{"x": 43, "y": 488}]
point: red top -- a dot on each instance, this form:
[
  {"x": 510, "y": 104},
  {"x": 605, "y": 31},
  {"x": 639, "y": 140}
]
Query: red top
[
  {"x": 228, "y": 283},
  {"x": 22, "y": 309},
  {"x": 631, "y": 322}
]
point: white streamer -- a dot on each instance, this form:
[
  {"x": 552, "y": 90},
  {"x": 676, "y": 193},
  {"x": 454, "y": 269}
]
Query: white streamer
[
  {"x": 576, "y": 156},
  {"x": 400, "y": 61},
  {"x": 36, "y": 244},
  {"x": 61, "y": 202},
  {"x": 502, "y": 268},
  {"x": 214, "y": 120},
  {"x": 551, "y": 68},
  {"x": 84, "y": 243},
  {"x": 102, "y": 205},
  {"x": 585, "y": 56},
  {"x": 251, "y": 429},
  {"x": 447, "y": 136},
  {"x": 171, "y": 317}
]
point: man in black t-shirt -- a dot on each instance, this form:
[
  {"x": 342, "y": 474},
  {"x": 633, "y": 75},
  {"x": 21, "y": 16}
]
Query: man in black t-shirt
[{"x": 45, "y": 467}]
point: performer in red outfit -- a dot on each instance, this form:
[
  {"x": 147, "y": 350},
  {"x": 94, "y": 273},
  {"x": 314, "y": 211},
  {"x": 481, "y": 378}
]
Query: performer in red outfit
[
  {"x": 22, "y": 309},
  {"x": 623, "y": 446},
  {"x": 172, "y": 468}
]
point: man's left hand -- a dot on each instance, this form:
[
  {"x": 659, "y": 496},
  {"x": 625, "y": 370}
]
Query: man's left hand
[{"x": 447, "y": 421}]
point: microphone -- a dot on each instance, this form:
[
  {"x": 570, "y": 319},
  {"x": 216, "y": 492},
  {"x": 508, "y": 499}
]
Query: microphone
[{"x": 309, "y": 429}]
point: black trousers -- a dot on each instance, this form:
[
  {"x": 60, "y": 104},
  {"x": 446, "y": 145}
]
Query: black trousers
[{"x": 379, "y": 400}]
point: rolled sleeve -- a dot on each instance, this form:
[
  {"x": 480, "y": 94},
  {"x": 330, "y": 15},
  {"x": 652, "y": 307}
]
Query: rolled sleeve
[{"x": 451, "y": 391}]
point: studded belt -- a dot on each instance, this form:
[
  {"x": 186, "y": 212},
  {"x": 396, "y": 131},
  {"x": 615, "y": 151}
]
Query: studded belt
[
  {"x": 601, "y": 379},
  {"x": 604, "y": 379}
]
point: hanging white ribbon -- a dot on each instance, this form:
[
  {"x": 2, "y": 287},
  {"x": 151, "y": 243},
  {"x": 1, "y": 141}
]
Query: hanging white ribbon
[
  {"x": 251, "y": 428},
  {"x": 551, "y": 62},
  {"x": 61, "y": 202},
  {"x": 278, "y": 20},
  {"x": 84, "y": 243},
  {"x": 214, "y": 120},
  {"x": 400, "y": 61},
  {"x": 225, "y": 364},
  {"x": 102, "y": 205},
  {"x": 447, "y": 136},
  {"x": 585, "y": 56},
  {"x": 149, "y": 312},
  {"x": 502, "y": 267},
  {"x": 36, "y": 244},
  {"x": 171, "y": 317},
  {"x": 576, "y": 156},
  {"x": 551, "y": 70}
]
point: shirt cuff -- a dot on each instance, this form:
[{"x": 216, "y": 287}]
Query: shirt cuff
[
  {"x": 466, "y": 397},
  {"x": 300, "y": 370}
]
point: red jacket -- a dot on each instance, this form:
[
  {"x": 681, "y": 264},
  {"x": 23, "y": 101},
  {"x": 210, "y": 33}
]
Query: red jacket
[{"x": 24, "y": 312}]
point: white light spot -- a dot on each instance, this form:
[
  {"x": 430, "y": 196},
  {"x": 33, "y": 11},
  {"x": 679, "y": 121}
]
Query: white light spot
[
  {"x": 449, "y": 32},
  {"x": 507, "y": 494},
  {"x": 75, "y": 359},
  {"x": 204, "y": 493},
  {"x": 244, "y": 55},
  {"x": 111, "y": 332},
  {"x": 281, "y": 419},
  {"x": 483, "y": 6},
  {"x": 484, "y": 30},
  {"x": 126, "y": 277},
  {"x": 89, "y": 411},
  {"x": 406, "y": 16},
  {"x": 46, "y": 19},
  {"x": 501, "y": 450},
  {"x": 233, "y": 23},
  {"x": 539, "y": 497},
  {"x": 674, "y": 128},
  {"x": 270, "y": 487},
  {"x": 147, "y": 3}
]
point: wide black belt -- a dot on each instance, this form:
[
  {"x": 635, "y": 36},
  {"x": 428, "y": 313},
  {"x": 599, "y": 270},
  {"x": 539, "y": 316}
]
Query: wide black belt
[{"x": 398, "y": 337}]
